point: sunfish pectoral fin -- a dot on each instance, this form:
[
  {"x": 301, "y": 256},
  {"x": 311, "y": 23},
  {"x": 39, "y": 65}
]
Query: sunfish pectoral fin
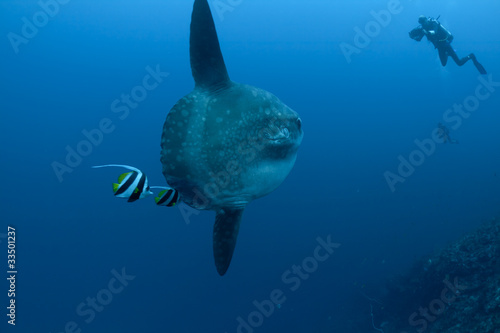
[
  {"x": 207, "y": 63},
  {"x": 227, "y": 225}
]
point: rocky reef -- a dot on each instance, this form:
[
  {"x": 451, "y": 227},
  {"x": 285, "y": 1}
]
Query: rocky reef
[{"x": 454, "y": 291}]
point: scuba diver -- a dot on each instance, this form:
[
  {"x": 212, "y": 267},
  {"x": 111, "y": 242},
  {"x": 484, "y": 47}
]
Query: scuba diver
[
  {"x": 441, "y": 38},
  {"x": 444, "y": 134}
]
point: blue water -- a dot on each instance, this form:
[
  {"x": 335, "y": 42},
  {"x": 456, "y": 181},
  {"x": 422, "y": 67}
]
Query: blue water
[{"x": 359, "y": 112}]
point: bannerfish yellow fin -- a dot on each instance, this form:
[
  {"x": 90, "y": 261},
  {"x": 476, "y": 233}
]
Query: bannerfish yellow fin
[
  {"x": 115, "y": 187},
  {"x": 160, "y": 195},
  {"x": 136, "y": 190},
  {"x": 122, "y": 177}
]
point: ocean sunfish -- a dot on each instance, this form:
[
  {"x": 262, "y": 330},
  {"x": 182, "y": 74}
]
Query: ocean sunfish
[{"x": 225, "y": 143}]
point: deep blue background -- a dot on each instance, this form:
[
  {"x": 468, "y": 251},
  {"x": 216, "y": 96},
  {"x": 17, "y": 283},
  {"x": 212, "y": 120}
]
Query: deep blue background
[{"x": 358, "y": 117}]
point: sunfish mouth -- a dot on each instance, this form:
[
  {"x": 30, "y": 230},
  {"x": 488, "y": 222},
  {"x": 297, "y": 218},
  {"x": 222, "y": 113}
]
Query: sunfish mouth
[
  {"x": 282, "y": 133},
  {"x": 277, "y": 134}
]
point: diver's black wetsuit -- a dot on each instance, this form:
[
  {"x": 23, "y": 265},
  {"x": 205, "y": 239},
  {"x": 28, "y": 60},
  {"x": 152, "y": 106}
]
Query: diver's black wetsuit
[
  {"x": 442, "y": 41},
  {"x": 442, "y": 38},
  {"x": 445, "y": 50},
  {"x": 444, "y": 134}
]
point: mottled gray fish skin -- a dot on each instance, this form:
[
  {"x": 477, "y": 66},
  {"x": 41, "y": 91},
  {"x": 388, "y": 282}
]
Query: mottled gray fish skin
[
  {"x": 235, "y": 132},
  {"x": 225, "y": 144}
]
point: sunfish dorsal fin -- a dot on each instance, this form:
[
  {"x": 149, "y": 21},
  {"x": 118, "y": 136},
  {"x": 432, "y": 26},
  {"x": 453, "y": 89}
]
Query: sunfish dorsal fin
[
  {"x": 227, "y": 225},
  {"x": 207, "y": 64}
]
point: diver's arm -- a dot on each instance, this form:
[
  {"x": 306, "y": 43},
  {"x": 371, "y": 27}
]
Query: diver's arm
[
  {"x": 434, "y": 25},
  {"x": 417, "y": 33},
  {"x": 429, "y": 33}
]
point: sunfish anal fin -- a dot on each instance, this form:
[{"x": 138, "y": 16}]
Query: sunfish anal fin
[
  {"x": 207, "y": 64},
  {"x": 227, "y": 225}
]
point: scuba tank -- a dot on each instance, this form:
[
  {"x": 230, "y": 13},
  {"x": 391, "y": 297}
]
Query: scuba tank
[{"x": 442, "y": 34}]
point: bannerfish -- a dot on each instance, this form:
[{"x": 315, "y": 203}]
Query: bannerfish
[
  {"x": 168, "y": 197},
  {"x": 131, "y": 185}
]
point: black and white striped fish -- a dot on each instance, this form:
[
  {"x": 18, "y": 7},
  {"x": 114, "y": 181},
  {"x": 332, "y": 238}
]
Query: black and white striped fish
[
  {"x": 168, "y": 197},
  {"x": 131, "y": 185}
]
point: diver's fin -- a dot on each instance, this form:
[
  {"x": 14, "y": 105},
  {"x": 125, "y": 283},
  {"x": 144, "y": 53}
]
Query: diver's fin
[
  {"x": 227, "y": 225},
  {"x": 207, "y": 63},
  {"x": 479, "y": 67}
]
